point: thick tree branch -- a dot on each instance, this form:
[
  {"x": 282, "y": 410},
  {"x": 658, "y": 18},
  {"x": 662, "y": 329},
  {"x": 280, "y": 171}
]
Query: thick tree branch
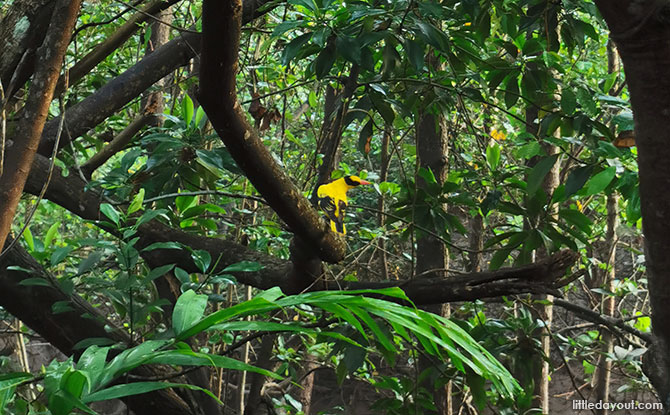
[
  {"x": 221, "y": 32},
  {"x": 37, "y": 108}
]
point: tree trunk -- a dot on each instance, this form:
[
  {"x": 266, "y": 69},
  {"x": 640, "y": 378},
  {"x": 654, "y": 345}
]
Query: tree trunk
[
  {"x": 642, "y": 37},
  {"x": 432, "y": 257}
]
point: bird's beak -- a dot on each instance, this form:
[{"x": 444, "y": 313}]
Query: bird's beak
[{"x": 364, "y": 182}]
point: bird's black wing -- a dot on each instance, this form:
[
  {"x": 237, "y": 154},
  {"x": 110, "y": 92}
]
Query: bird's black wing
[{"x": 327, "y": 204}]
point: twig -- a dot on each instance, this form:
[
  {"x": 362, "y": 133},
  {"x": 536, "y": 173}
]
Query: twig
[{"x": 201, "y": 193}]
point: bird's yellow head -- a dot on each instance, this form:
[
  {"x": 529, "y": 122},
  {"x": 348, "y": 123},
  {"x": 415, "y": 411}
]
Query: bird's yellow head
[{"x": 353, "y": 181}]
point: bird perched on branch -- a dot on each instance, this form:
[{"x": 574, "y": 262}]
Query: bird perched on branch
[{"x": 333, "y": 200}]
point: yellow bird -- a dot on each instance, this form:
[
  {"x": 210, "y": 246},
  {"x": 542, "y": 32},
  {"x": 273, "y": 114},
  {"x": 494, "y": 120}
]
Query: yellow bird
[{"x": 333, "y": 200}]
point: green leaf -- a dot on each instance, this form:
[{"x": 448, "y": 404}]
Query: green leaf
[
  {"x": 200, "y": 117},
  {"x": 187, "y": 109},
  {"x": 35, "y": 282},
  {"x": 349, "y": 49},
  {"x": 202, "y": 259},
  {"x": 568, "y": 101},
  {"x": 51, "y": 233},
  {"x": 383, "y": 107},
  {"x": 493, "y": 156},
  {"x": 576, "y": 180},
  {"x": 90, "y": 262},
  {"x": 284, "y": 27},
  {"x": 244, "y": 266},
  {"x": 109, "y": 211},
  {"x": 600, "y": 181},
  {"x": 138, "y": 388},
  {"x": 537, "y": 173},
  {"x": 511, "y": 91},
  {"x": 158, "y": 272},
  {"x": 293, "y": 47},
  {"x": 59, "y": 254},
  {"x": 324, "y": 61},
  {"x": 415, "y": 54},
  {"x": 577, "y": 218},
  {"x": 137, "y": 202},
  {"x": 28, "y": 236},
  {"x": 189, "y": 310},
  {"x": 163, "y": 245}
]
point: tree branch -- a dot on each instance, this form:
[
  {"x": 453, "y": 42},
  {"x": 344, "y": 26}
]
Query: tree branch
[{"x": 221, "y": 32}]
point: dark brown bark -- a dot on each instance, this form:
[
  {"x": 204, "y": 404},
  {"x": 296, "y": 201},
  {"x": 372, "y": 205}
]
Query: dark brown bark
[
  {"x": 36, "y": 110},
  {"x": 221, "y": 31},
  {"x": 642, "y": 36},
  {"x": 432, "y": 152},
  {"x": 257, "y": 379}
]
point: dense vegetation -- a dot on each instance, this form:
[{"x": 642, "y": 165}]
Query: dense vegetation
[{"x": 167, "y": 241}]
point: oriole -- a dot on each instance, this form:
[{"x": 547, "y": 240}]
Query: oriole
[{"x": 333, "y": 200}]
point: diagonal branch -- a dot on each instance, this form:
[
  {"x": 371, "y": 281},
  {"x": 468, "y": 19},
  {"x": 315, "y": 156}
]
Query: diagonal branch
[{"x": 221, "y": 33}]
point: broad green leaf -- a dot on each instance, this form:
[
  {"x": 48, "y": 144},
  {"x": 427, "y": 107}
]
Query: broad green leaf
[
  {"x": 324, "y": 61},
  {"x": 109, "y": 211},
  {"x": 293, "y": 47},
  {"x": 576, "y": 180},
  {"x": 138, "y": 388},
  {"x": 349, "y": 48},
  {"x": 200, "y": 117},
  {"x": 538, "y": 172},
  {"x": 158, "y": 272},
  {"x": 202, "y": 259},
  {"x": 577, "y": 218},
  {"x": 415, "y": 54},
  {"x": 568, "y": 101},
  {"x": 493, "y": 156},
  {"x": 51, "y": 233},
  {"x": 163, "y": 245},
  {"x": 28, "y": 237},
  {"x": 600, "y": 181},
  {"x": 189, "y": 310},
  {"x": 90, "y": 262},
  {"x": 187, "y": 109},
  {"x": 35, "y": 282}
]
